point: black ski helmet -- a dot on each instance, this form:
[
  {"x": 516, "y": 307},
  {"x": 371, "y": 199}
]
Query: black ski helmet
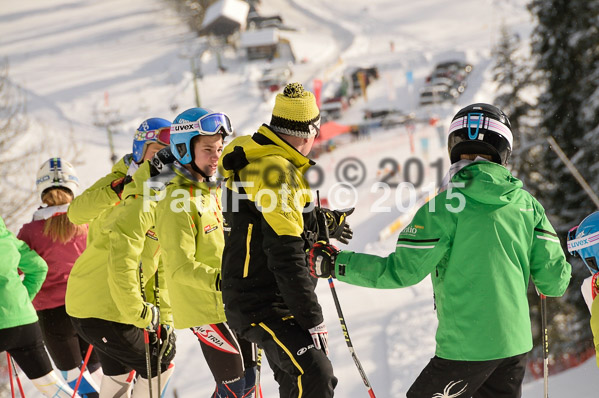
[{"x": 480, "y": 129}]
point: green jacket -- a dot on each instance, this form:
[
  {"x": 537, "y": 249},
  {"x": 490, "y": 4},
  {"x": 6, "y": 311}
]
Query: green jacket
[
  {"x": 133, "y": 240},
  {"x": 16, "y": 295},
  {"x": 189, "y": 224},
  {"x": 481, "y": 243},
  {"x": 88, "y": 292}
]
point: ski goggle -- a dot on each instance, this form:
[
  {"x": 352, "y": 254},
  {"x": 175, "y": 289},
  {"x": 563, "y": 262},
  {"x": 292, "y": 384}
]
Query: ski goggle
[
  {"x": 583, "y": 242},
  {"x": 162, "y": 135},
  {"x": 210, "y": 124}
]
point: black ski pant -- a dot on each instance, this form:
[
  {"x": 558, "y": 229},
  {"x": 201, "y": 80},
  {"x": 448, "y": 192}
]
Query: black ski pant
[
  {"x": 120, "y": 347},
  {"x": 26, "y": 345},
  {"x": 230, "y": 359},
  {"x": 65, "y": 346},
  {"x": 300, "y": 369},
  {"x": 499, "y": 378}
]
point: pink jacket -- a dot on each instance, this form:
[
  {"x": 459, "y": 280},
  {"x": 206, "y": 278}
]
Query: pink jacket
[{"x": 60, "y": 258}]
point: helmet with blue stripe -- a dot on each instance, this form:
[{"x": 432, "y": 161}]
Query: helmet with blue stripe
[
  {"x": 56, "y": 173},
  {"x": 151, "y": 130},
  {"x": 583, "y": 241},
  {"x": 480, "y": 129},
  {"x": 192, "y": 123}
]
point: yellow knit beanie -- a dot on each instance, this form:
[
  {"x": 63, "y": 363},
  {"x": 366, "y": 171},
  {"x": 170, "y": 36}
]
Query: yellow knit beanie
[{"x": 295, "y": 112}]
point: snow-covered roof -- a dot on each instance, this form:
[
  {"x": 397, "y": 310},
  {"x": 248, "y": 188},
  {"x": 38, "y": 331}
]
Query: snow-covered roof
[
  {"x": 262, "y": 37},
  {"x": 235, "y": 10}
]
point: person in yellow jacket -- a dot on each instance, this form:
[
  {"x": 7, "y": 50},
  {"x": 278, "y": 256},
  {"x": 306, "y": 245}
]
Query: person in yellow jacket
[
  {"x": 583, "y": 242},
  {"x": 93, "y": 298},
  {"x": 189, "y": 224}
]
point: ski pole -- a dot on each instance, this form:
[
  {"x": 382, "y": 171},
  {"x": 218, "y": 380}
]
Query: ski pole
[
  {"x": 323, "y": 228},
  {"x": 258, "y": 371},
  {"x": 157, "y": 297},
  {"x": 87, "y": 355},
  {"x": 12, "y": 386},
  {"x": 14, "y": 368},
  {"x": 146, "y": 334},
  {"x": 348, "y": 340},
  {"x": 545, "y": 346}
]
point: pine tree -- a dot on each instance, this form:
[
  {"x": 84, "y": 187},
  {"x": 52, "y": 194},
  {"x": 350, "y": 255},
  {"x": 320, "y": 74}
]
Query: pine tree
[
  {"x": 567, "y": 57},
  {"x": 514, "y": 76}
]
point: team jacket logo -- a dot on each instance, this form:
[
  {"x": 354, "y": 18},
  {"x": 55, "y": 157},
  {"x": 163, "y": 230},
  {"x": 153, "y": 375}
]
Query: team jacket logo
[
  {"x": 213, "y": 338},
  {"x": 303, "y": 350},
  {"x": 447, "y": 390},
  {"x": 209, "y": 228},
  {"x": 151, "y": 234},
  {"x": 409, "y": 230}
]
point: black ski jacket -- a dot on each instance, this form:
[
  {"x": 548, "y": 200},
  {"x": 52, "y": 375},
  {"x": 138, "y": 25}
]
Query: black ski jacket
[{"x": 267, "y": 231}]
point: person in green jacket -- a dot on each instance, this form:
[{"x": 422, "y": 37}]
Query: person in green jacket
[
  {"x": 20, "y": 333},
  {"x": 480, "y": 239},
  {"x": 97, "y": 316},
  {"x": 189, "y": 224}
]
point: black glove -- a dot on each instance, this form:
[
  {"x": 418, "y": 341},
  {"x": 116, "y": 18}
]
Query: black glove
[
  {"x": 160, "y": 160},
  {"x": 337, "y": 223},
  {"x": 321, "y": 259},
  {"x": 119, "y": 184},
  {"x": 165, "y": 344}
]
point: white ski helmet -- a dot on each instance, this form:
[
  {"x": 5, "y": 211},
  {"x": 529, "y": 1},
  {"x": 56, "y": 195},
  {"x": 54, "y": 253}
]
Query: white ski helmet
[{"x": 56, "y": 173}]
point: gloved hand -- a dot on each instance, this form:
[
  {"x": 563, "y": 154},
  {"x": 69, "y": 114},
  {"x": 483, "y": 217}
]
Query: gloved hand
[
  {"x": 151, "y": 313},
  {"x": 165, "y": 344},
  {"x": 119, "y": 184},
  {"x": 336, "y": 221},
  {"x": 321, "y": 259},
  {"x": 320, "y": 337}
]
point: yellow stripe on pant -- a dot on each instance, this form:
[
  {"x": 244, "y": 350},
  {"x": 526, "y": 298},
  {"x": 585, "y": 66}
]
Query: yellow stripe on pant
[{"x": 297, "y": 365}]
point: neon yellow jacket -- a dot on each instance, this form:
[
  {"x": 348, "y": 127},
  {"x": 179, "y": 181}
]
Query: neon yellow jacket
[
  {"x": 595, "y": 325},
  {"x": 132, "y": 239},
  {"x": 189, "y": 224},
  {"x": 88, "y": 293}
]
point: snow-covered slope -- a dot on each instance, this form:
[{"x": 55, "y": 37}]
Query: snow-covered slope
[{"x": 83, "y": 63}]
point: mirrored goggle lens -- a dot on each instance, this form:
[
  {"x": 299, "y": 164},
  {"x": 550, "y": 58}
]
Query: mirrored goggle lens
[
  {"x": 164, "y": 135},
  {"x": 213, "y": 122}
]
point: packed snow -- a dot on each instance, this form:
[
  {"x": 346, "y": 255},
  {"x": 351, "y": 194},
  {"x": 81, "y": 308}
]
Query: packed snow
[{"x": 87, "y": 64}]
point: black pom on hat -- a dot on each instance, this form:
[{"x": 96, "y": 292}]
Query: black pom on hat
[{"x": 295, "y": 112}]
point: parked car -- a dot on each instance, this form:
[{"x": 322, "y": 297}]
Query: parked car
[
  {"x": 455, "y": 64},
  {"x": 331, "y": 108},
  {"x": 459, "y": 85},
  {"x": 456, "y": 70},
  {"x": 397, "y": 119},
  {"x": 437, "y": 94},
  {"x": 274, "y": 78}
]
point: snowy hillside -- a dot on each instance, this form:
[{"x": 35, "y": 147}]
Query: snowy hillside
[{"x": 84, "y": 64}]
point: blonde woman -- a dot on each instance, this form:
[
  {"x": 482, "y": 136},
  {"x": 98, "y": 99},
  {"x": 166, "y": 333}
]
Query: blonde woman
[{"x": 59, "y": 242}]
